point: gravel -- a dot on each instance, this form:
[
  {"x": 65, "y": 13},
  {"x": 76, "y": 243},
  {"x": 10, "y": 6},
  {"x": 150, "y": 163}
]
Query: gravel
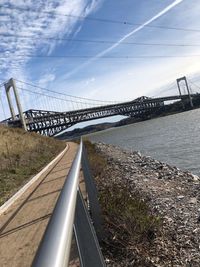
[{"x": 173, "y": 195}]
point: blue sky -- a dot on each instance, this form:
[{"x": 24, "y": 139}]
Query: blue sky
[{"x": 99, "y": 78}]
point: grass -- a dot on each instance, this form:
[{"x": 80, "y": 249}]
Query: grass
[
  {"x": 128, "y": 219},
  {"x": 22, "y": 154},
  {"x": 134, "y": 221},
  {"x": 97, "y": 162}
]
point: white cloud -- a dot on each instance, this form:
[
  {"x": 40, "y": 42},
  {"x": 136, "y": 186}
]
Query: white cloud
[
  {"x": 36, "y": 24},
  {"x": 104, "y": 52},
  {"x": 128, "y": 83},
  {"x": 46, "y": 78}
]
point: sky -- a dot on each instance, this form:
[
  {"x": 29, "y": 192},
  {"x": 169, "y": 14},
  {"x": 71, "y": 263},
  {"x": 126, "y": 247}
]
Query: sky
[{"x": 40, "y": 44}]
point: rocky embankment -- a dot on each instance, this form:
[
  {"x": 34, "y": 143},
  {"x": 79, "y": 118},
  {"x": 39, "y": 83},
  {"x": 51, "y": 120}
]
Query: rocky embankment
[{"x": 173, "y": 195}]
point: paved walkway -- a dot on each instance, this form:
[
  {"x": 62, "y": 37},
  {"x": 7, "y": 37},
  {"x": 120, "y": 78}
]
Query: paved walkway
[{"x": 23, "y": 224}]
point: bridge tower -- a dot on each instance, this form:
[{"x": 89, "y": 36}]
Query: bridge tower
[
  {"x": 11, "y": 84},
  {"x": 184, "y": 79}
]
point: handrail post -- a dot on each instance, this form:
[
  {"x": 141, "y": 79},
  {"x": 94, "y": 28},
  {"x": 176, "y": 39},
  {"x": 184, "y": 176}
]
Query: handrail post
[
  {"x": 92, "y": 195},
  {"x": 88, "y": 246}
]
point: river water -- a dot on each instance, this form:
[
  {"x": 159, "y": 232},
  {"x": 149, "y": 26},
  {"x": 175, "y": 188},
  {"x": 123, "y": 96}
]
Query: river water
[{"x": 174, "y": 139}]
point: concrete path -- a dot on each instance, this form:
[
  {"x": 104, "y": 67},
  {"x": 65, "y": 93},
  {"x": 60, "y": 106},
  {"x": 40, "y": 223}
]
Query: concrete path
[{"x": 22, "y": 225}]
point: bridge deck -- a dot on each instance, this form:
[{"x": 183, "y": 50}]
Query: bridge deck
[
  {"x": 51, "y": 123},
  {"x": 23, "y": 224}
]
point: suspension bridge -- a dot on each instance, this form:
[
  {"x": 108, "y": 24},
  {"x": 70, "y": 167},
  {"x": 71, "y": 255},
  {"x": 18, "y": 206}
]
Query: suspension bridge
[{"x": 55, "y": 112}]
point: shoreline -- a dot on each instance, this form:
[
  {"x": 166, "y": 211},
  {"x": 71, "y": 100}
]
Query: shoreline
[
  {"x": 172, "y": 194},
  {"x": 96, "y": 128}
]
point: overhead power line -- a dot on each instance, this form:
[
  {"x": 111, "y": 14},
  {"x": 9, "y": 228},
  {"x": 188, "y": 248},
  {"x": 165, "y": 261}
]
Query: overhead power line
[
  {"x": 95, "y": 41},
  {"x": 88, "y": 18},
  {"x": 59, "y": 93},
  {"x": 104, "y": 57}
]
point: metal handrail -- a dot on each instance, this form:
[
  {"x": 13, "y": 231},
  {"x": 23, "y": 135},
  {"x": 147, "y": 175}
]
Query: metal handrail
[{"x": 54, "y": 249}]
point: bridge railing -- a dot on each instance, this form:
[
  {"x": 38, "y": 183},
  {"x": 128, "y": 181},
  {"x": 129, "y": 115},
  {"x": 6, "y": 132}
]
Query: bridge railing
[{"x": 71, "y": 213}]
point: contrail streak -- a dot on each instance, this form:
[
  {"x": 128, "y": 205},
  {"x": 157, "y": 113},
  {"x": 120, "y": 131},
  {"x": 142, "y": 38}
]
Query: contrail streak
[{"x": 104, "y": 52}]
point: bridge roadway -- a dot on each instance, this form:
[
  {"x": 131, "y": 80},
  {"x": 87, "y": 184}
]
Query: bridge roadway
[{"x": 51, "y": 123}]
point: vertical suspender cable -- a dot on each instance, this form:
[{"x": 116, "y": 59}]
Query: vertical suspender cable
[{"x": 4, "y": 113}]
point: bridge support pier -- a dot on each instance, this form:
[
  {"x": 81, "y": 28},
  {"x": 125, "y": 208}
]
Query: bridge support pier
[
  {"x": 187, "y": 87},
  {"x": 11, "y": 84}
]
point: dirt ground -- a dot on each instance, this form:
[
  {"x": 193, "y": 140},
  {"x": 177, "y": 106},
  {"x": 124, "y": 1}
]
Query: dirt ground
[{"x": 23, "y": 224}]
